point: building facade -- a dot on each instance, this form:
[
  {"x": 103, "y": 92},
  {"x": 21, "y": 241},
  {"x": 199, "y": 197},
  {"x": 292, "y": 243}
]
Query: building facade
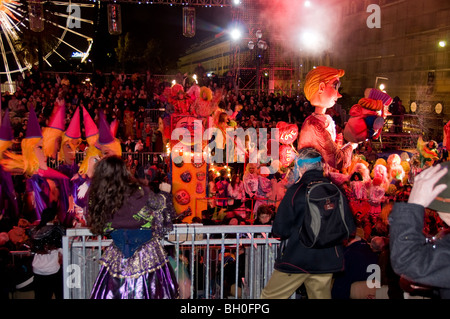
[{"x": 403, "y": 45}]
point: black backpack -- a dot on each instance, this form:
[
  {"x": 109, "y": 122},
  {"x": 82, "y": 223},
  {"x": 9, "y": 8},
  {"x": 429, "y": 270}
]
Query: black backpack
[{"x": 324, "y": 223}]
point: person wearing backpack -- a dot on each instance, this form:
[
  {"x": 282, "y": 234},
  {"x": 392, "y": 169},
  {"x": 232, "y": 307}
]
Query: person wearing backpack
[{"x": 300, "y": 262}]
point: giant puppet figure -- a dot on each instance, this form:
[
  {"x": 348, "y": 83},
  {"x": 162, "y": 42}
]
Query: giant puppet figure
[
  {"x": 81, "y": 181},
  {"x": 8, "y": 198},
  {"x": 107, "y": 143},
  {"x": 70, "y": 140},
  {"x": 368, "y": 116},
  {"x": 319, "y": 130},
  {"x": 45, "y": 187}
]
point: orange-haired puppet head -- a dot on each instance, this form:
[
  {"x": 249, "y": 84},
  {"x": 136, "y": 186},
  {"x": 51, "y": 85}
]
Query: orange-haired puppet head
[{"x": 316, "y": 83}]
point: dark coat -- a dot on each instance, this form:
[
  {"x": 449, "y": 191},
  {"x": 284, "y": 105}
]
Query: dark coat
[
  {"x": 420, "y": 261},
  {"x": 293, "y": 256}
]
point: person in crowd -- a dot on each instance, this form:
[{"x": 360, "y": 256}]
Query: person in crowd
[
  {"x": 296, "y": 264},
  {"x": 265, "y": 215},
  {"x": 419, "y": 260},
  {"x": 263, "y": 192},
  {"x": 352, "y": 282},
  {"x": 46, "y": 240},
  {"x": 136, "y": 265},
  {"x": 250, "y": 181},
  {"x": 236, "y": 193}
]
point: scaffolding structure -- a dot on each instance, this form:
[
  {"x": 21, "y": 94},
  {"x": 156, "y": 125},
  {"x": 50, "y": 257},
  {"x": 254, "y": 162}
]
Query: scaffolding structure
[{"x": 263, "y": 70}]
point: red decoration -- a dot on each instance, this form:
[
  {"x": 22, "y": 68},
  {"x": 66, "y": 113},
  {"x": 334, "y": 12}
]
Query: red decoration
[
  {"x": 288, "y": 132},
  {"x": 287, "y": 155}
]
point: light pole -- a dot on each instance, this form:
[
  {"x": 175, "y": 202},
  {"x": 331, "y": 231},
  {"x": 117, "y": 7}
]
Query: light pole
[
  {"x": 382, "y": 86},
  {"x": 260, "y": 46}
]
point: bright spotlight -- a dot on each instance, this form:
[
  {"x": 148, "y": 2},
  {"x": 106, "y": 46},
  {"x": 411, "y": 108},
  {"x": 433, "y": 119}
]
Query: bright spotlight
[
  {"x": 442, "y": 43},
  {"x": 235, "y": 34},
  {"x": 307, "y": 3},
  {"x": 312, "y": 40},
  {"x": 236, "y": 2}
]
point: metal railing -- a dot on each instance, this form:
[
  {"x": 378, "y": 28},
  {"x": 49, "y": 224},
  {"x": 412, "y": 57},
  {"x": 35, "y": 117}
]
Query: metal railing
[{"x": 221, "y": 261}]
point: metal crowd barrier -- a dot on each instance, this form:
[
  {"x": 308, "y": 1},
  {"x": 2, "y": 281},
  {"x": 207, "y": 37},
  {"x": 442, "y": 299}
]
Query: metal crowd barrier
[{"x": 210, "y": 262}]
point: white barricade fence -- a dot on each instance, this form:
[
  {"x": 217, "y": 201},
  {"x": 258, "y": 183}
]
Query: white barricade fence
[{"x": 210, "y": 262}]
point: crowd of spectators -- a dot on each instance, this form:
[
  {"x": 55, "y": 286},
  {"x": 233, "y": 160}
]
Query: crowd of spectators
[{"x": 253, "y": 197}]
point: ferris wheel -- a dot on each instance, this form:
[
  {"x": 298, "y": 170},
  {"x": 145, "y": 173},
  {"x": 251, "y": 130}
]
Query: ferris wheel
[{"x": 48, "y": 32}]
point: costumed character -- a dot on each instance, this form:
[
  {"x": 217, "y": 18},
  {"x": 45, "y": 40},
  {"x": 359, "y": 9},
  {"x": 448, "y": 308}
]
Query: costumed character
[
  {"x": 380, "y": 171},
  {"x": 179, "y": 100},
  {"x": 9, "y": 206},
  {"x": 367, "y": 117},
  {"x": 45, "y": 187},
  {"x": 80, "y": 182},
  {"x": 376, "y": 198},
  {"x": 70, "y": 141},
  {"x": 52, "y": 134},
  {"x": 428, "y": 152},
  {"x": 107, "y": 143},
  {"x": 319, "y": 130},
  {"x": 264, "y": 191},
  {"x": 359, "y": 183},
  {"x": 136, "y": 265},
  {"x": 357, "y": 160},
  {"x": 407, "y": 170},
  {"x": 206, "y": 102},
  {"x": 395, "y": 169},
  {"x": 250, "y": 180},
  {"x": 193, "y": 92}
]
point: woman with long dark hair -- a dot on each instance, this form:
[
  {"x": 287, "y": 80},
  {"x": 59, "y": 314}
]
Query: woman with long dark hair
[
  {"x": 135, "y": 266},
  {"x": 236, "y": 193}
]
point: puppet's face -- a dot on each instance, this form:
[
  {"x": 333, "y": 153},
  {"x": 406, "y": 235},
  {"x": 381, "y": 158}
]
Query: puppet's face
[
  {"x": 69, "y": 152},
  {"x": 39, "y": 151},
  {"x": 327, "y": 94},
  {"x": 193, "y": 126}
]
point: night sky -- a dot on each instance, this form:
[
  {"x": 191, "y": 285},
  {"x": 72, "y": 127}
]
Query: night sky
[{"x": 163, "y": 22}]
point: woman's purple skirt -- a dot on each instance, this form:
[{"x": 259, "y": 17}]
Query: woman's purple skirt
[
  {"x": 146, "y": 275},
  {"x": 159, "y": 284}
]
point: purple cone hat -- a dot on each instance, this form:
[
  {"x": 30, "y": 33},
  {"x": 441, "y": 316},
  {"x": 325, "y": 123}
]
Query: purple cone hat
[
  {"x": 104, "y": 132},
  {"x": 74, "y": 130},
  {"x": 58, "y": 120},
  {"x": 6, "y": 132},
  {"x": 89, "y": 125},
  {"x": 33, "y": 128}
]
